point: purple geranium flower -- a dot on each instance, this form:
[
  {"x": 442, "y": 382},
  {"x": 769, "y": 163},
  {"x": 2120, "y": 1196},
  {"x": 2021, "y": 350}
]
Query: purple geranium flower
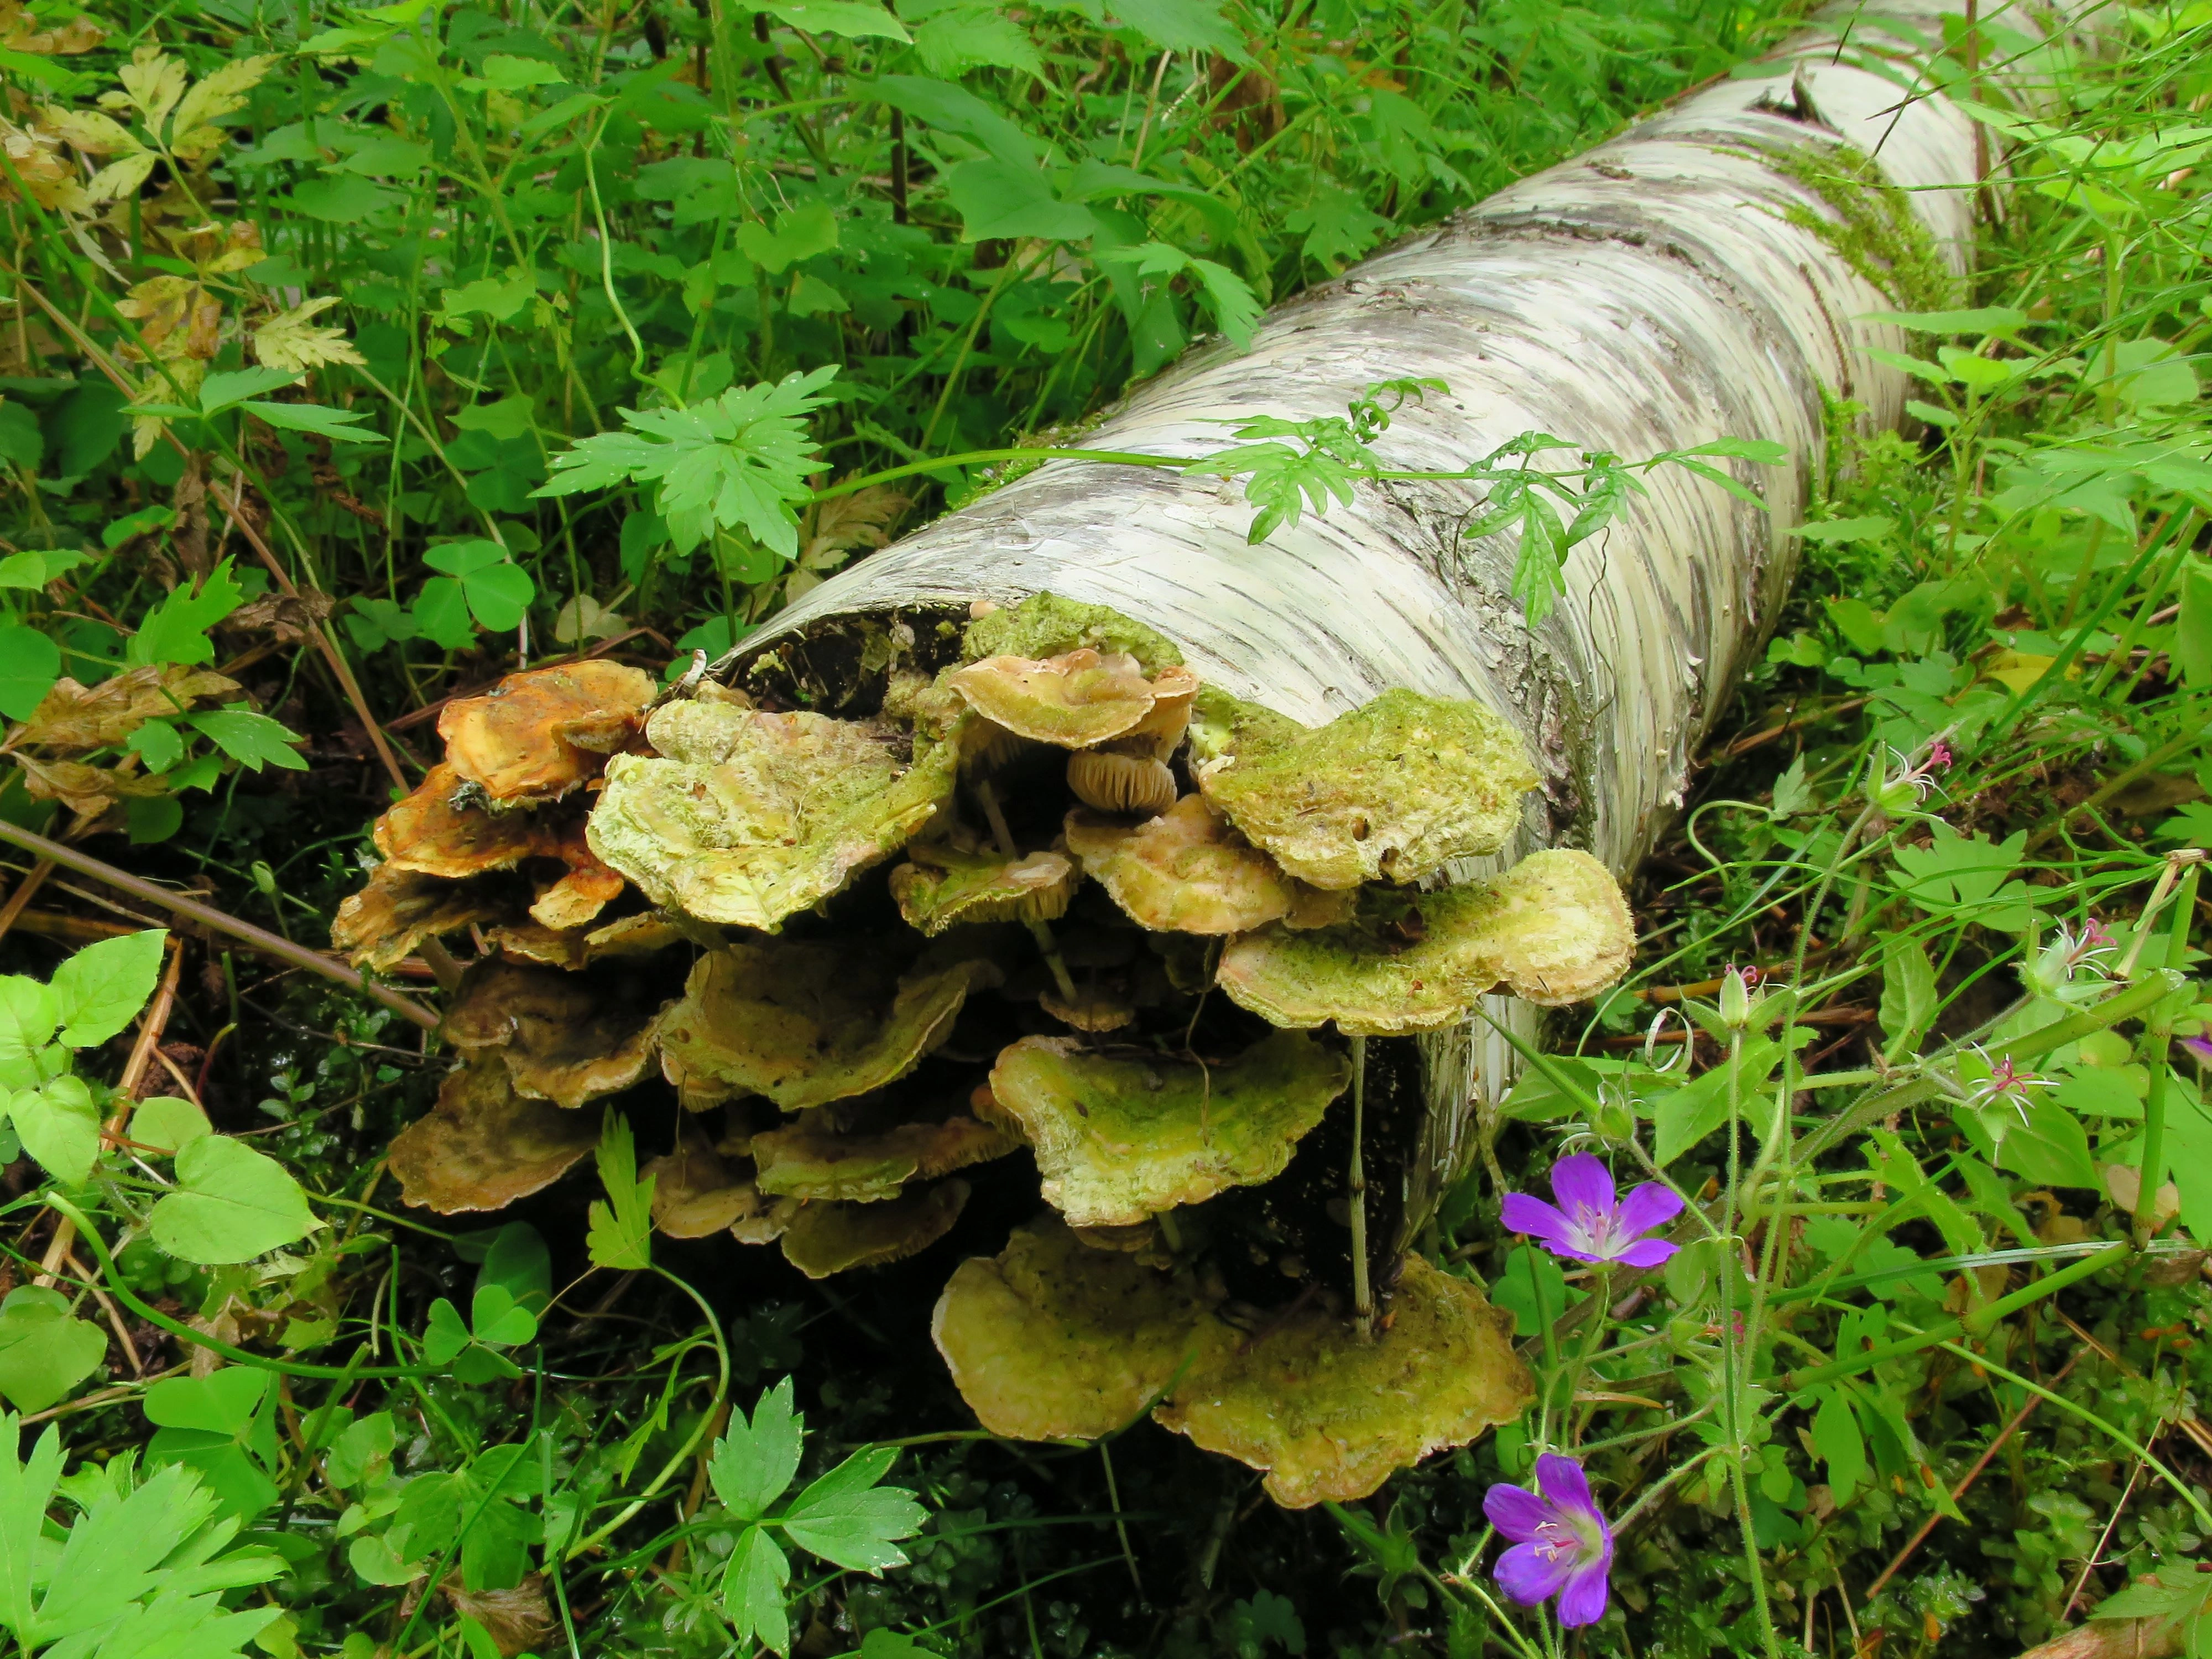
[
  {"x": 1590, "y": 1225},
  {"x": 1561, "y": 1545}
]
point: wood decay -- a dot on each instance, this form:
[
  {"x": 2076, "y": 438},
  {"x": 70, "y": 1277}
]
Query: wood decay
[
  {"x": 1061, "y": 914},
  {"x": 876, "y": 955}
]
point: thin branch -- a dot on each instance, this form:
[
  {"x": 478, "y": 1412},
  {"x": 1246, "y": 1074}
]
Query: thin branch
[{"x": 267, "y": 943}]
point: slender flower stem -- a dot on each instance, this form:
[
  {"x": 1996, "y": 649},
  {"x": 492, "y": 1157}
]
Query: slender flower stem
[
  {"x": 2150, "y": 1172},
  {"x": 1363, "y": 1294},
  {"x": 1651, "y": 1494}
]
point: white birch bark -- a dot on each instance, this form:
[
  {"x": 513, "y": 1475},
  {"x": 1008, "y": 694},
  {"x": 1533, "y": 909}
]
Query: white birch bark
[{"x": 1652, "y": 295}]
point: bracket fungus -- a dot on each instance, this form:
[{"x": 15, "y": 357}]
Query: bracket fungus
[
  {"x": 1330, "y": 1414},
  {"x": 1074, "y": 700},
  {"x": 436, "y": 831},
  {"x": 1115, "y": 783},
  {"x": 1119, "y": 1139},
  {"x": 744, "y": 818},
  {"x": 563, "y": 1037},
  {"x": 1553, "y": 930},
  {"x": 810, "y": 1160},
  {"x": 806, "y": 1023},
  {"x": 485, "y": 1144},
  {"x": 377, "y": 927},
  {"x": 941, "y": 886},
  {"x": 1392, "y": 791},
  {"x": 1053, "y": 1340},
  {"x": 841, "y": 872},
  {"x": 539, "y": 734},
  {"x": 1187, "y": 870},
  {"x": 823, "y": 1239},
  {"x": 696, "y": 1194}
]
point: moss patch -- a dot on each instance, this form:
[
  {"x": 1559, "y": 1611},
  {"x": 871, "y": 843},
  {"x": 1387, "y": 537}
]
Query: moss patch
[
  {"x": 1046, "y": 625},
  {"x": 1875, "y": 230}
]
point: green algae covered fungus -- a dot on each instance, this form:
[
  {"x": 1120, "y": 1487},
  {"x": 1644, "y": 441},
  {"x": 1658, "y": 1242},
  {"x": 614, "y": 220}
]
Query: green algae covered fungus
[
  {"x": 1553, "y": 929},
  {"x": 1122, "y": 1137},
  {"x": 1186, "y": 870},
  {"x": 745, "y": 817},
  {"x": 1046, "y": 625},
  {"x": 1331, "y": 1415},
  {"x": 943, "y": 886},
  {"x": 1074, "y": 700},
  {"x": 810, "y": 1160},
  {"x": 804, "y": 1025},
  {"x": 562, "y": 1037},
  {"x": 1053, "y": 1340},
  {"x": 484, "y": 1145},
  {"x": 1391, "y": 791},
  {"x": 822, "y": 1239}
]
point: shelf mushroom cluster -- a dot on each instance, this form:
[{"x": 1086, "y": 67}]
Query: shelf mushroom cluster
[{"x": 1050, "y": 893}]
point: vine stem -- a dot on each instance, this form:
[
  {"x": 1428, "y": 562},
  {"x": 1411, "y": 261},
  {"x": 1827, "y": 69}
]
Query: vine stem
[
  {"x": 2188, "y": 1494},
  {"x": 684, "y": 1453},
  {"x": 156, "y": 1317},
  {"x": 267, "y": 944}
]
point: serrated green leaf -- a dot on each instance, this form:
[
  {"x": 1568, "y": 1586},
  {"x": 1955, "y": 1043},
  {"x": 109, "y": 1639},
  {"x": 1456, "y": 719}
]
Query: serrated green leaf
[
  {"x": 227, "y": 386},
  {"x": 736, "y": 462},
  {"x": 337, "y": 424},
  {"x": 253, "y": 740},
  {"x": 846, "y": 1517},
  {"x": 1837, "y": 1438},
  {"x": 621, "y": 1234},
  {"x": 156, "y": 743},
  {"x": 856, "y": 20},
  {"x": 753, "y": 1590},
  {"x": 754, "y": 1462},
  {"x": 178, "y": 629}
]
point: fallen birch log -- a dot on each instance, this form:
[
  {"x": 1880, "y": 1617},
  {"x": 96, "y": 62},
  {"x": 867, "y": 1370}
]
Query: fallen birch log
[{"x": 1078, "y": 823}]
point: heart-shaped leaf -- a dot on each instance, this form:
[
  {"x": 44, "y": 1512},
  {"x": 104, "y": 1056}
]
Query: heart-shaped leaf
[
  {"x": 59, "y": 1126},
  {"x": 44, "y": 1350},
  {"x": 444, "y": 1336},
  {"x": 498, "y": 1321},
  {"x": 231, "y": 1204}
]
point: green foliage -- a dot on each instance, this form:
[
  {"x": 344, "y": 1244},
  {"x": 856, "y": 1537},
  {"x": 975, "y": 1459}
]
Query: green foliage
[
  {"x": 230, "y": 1204},
  {"x": 538, "y": 353},
  {"x": 44, "y": 1352},
  {"x": 847, "y": 1516},
  {"x": 622, "y": 1225},
  {"x": 142, "y": 1570},
  {"x": 737, "y": 463}
]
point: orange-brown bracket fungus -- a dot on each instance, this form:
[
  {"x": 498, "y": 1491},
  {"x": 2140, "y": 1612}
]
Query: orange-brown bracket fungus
[{"x": 485, "y": 1145}]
